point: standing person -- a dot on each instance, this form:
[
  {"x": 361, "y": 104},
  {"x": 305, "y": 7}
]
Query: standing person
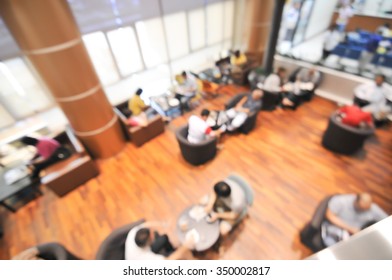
[
  {"x": 345, "y": 13},
  {"x": 332, "y": 38},
  {"x": 199, "y": 130},
  {"x": 49, "y": 151},
  {"x": 290, "y": 20}
]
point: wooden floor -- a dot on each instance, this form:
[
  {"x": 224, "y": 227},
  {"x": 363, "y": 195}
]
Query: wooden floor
[{"x": 282, "y": 159}]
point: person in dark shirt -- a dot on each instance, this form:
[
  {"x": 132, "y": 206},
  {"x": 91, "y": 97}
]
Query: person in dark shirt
[{"x": 248, "y": 105}]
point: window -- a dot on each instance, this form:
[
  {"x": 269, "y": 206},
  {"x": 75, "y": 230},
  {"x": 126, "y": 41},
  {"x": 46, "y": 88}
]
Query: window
[
  {"x": 215, "y": 23},
  {"x": 20, "y": 93},
  {"x": 197, "y": 29},
  {"x": 125, "y": 50},
  {"x": 177, "y": 34},
  {"x": 99, "y": 52},
  {"x": 5, "y": 118},
  {"x": 152, "y": 41},
  {"x": 229, "y": 18}
]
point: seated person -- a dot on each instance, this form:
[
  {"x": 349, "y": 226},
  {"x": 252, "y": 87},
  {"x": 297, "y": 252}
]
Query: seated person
[
  {"x": 305, "y": 83},
  {"x": 141, "y": 245},
  {"x": 187, "y": 88},
  {"x": 199, "y": 130},
  {"x": 355, "y": 117},
  {"x": 237, "y": 61},
  {"x": 49, "y": 151},
  {"x": 274, "y": 81},
  {"x": 376, "y": 93},
  {"x": 140, "y": 112},
  {"x": 245, "y": 107},
  {"x": 226, "y": 203},
  {"x": 347, "y": 214}
]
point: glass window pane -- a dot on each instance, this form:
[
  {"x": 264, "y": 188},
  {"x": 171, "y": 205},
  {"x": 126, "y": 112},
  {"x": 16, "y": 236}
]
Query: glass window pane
[
  {"x": 197, "y": 29},
  {"x": 99, "y": 52},
  {"x": 152, "y": 41},
  {"x": 177, "y": 34},
  {"x": 229, "y": 18},
  {"x": 20, "y": 93},
  {"x": 5, "y": 118},
  {"x": 125, "y": 49},
  {"x": 214, "y": 23}
]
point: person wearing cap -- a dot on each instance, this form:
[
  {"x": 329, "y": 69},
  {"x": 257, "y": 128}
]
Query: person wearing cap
[{"x": 347, "y": 214}]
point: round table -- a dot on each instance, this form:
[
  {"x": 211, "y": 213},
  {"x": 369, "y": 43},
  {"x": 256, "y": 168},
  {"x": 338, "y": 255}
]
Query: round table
[{"x": 209, "y": 232}]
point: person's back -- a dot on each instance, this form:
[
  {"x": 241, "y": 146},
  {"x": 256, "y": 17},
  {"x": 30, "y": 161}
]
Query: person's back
[
  {"x": 236, "y": 202},
  {"x": 135, "y": 252},
  {"x": 46, "y": 147},
  {"x": 272, "y": 83},
  {"x": 198, "y": 129},
  {"x": 136, "y": 105}
]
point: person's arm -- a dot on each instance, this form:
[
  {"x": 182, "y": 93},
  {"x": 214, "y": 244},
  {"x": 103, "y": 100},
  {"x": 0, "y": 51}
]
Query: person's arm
[
  {"x": 334, "y": 219},
  {"x": 225, "y": 216},
  {"x": 178, "y": 253},
  {"x": 239, "y": 105},
  {"x": 210, "y": 203},
  {"x": 360, "y": 90}
]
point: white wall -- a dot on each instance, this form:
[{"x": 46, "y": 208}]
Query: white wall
[{"x": 321, "y": 17}]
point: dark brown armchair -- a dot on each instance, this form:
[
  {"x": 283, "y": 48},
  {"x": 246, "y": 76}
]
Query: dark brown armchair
[
  {"x": 139, "y": 135},
  {"x": 66, "y": 175}
]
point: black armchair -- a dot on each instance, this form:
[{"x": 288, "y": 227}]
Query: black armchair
[
  {"x": 344, "y": 139},
  {"x": 113, "y": 247},
  {"x": 195, "y": 154},
  {"x": 250, "y": 122},
  {"x": 54, "y": 251},
  {"x": 310, "y": 235}
]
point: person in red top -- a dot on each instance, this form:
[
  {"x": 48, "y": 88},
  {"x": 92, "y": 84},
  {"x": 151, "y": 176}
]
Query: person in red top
[
  {"x": 49, "y": 151},
  {"x": 354, "y": 116}
]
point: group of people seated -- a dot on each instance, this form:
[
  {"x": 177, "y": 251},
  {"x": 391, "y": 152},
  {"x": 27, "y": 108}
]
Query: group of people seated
[
  {"x": 202, "y": 127},
  {"x": 291, "y": 93},
  {"x": 225, "y": 204}
]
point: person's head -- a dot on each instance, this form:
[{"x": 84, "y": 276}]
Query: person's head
[
  {"x": 222, "y": 189},
  {"x": 184, "y": 74},
  {"x": 379, "y": 79},
  {"x": 237, "y": 53},
  {"x": 204, "y": 114},
  {"x": 312, "y": 70},
  {"x": 139, "y": 92},
  {"x": 387, "y": 25},
  {"x": 257, "y": 94},
  {"x": 142, "y": 237},
  {"x": 333, "y": 27},
  {"x": 297, "y": 5},
  {"x": 363, "y": 202},
  {"x": 27, "y": 140},
  {"x": 281, "y": 72}
]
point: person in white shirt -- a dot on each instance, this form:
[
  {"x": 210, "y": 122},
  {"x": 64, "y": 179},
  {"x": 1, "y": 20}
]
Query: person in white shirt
[
  {"x": 139, "y": 244},
  {"x": 331, "y": 40},
  {"x": 345, "y": 13},
  {"x": 198, "y": 128},
  {"x": 290, "y": 20},
  {"x": 187, "y": 90},
  {"x": 274, "y": 82},
  {"x": 376, "y": 93}
]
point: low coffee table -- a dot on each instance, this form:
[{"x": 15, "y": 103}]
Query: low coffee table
[
  {"x": 209, "y": 232},
  {"x": 166, "y": 105},
  {"x": 8, "y": 191}
]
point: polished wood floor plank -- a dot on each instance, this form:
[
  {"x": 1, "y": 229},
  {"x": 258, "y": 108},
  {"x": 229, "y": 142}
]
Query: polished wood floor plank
[{"x": 282, "y": 159}]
